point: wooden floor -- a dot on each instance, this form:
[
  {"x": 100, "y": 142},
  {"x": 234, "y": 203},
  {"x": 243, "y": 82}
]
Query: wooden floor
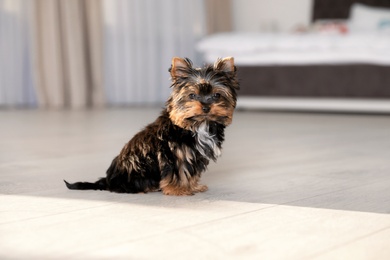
[{"x": 288, "y": 186}]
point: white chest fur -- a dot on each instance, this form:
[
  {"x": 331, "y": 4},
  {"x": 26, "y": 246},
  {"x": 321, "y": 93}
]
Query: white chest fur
[{"x": 206, "y": 142}]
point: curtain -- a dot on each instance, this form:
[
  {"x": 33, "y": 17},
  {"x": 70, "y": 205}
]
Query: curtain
[
  {"x": 16, "y": 77},
  {"x": 140, "y": 39},
  {"x": 87, "y": 53},
  {"x": 219, "y": 16},
  {"x": 68, "y": 53}
]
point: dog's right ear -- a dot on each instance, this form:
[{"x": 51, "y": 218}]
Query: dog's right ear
[
  {"x": 225, "y": 64},
  {"x": 180, "y": 67}
]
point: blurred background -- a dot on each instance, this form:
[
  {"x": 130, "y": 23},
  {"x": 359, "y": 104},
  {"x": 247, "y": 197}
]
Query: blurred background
[{"x": 102, "y": 53}]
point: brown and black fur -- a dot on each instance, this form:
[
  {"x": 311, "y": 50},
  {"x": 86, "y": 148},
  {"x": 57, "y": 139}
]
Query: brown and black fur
[{"x": 171, "y": 153}]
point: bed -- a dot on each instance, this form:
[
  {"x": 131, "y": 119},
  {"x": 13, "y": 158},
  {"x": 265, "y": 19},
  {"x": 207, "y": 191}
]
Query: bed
[{"x": 342, "y": 63}]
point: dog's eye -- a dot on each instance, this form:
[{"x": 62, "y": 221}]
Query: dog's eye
[
  {"x": 192, "y": 96},
  {"x": 216, "y": 96}
]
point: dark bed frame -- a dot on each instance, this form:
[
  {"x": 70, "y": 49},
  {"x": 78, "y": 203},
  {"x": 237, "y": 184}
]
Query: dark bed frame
[{"x": 318, "y": 81}]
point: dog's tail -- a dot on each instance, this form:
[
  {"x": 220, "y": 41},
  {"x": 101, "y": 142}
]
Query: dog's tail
[{"x": 101, "y": 184}]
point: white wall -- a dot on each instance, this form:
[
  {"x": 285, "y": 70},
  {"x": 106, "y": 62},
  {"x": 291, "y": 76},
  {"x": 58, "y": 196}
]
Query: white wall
[{"x": 270, "y": 15}]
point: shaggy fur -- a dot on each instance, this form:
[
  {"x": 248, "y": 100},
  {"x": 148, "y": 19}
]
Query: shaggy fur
[{"x": 171, "y": 153}]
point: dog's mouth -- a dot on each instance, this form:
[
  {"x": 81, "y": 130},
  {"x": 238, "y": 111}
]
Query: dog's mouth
[
  {"x": 198, "y": 117},
  {"x": 208, "y": 117}
]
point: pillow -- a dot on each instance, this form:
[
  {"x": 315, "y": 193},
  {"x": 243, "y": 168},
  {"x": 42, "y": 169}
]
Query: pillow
[
  {"x": 330, "y": 26},
  {"x": 368, "y": 19},
  {"x": 384, "y": 25}
]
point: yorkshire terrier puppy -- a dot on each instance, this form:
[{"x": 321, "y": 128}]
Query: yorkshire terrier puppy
[{"x": 170, "y": 154}]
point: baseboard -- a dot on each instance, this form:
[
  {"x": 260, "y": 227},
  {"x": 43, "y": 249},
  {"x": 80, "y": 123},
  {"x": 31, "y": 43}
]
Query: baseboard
[{"x": 316, "y": 104}]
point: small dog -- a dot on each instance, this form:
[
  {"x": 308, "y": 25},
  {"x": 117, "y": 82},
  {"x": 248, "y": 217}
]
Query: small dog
[{"x": 170, "y": 154}]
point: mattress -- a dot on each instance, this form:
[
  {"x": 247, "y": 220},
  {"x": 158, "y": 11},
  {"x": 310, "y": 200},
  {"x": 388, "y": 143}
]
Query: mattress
[{"x": 253, "y": 49}]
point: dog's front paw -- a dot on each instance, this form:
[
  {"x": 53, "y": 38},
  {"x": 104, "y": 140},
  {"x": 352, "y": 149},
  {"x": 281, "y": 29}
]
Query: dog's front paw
[
  {"x": 200, "y": 188},
  {"x": 174, "y": 191}
]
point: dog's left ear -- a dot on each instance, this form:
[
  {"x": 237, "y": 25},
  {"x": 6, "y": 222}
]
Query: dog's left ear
[
  {"x": 225, "y": 64},
  {"x": 180, "y": 67}
]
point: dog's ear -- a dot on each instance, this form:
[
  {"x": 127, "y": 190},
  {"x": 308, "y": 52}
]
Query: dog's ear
[
  {"x": 180, "y": 67},
  {"x": 225, "y": 64}
]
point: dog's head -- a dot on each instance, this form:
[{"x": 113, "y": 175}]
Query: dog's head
[{"x": 202, "y": 94}]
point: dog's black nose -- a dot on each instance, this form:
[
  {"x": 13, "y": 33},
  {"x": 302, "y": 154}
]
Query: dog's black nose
[{"x": 206, "y": 109}]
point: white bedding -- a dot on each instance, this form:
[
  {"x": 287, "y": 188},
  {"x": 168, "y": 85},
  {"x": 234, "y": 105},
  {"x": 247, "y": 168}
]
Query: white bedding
[{"x": 311, "y": 48}]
